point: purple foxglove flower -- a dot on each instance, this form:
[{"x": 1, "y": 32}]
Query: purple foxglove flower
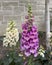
[
  {"x": 34, "y": 29},
  {"x": 23, "y": 40},
  {"x": 22, "y": 47},
  {"x": 26, "y": 17},
  {"x": 27, "y": 53},
  {"x": 33, "y": 36},
  {"x": 32, "y": 50},
  {"x": 26, "y": 38},
  {"x": 35, "y": 40},
  {"x": 26, "y": 45},
  {"x": 25, "y": 62},
  {"x": 35, "y": 54},
  {"x": 31, "y": 44},
  {"x": 36, "y": 47},
  {"x": 24, "y": 26},
  {"x": 29, "y": 40}
]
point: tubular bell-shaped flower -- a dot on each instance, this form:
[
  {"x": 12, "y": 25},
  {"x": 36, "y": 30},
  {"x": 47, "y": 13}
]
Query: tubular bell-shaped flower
[
  {"x": 29, "y": 40},
  {"x": 12, "y": 35},
  {"x": 41, "y": 51}
]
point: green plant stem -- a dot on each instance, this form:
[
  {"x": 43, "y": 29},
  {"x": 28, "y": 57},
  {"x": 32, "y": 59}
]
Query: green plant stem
[{"x": 30, "y": 60}]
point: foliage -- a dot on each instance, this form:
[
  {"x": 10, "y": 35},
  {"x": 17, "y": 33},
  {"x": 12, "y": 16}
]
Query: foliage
[
  {"x": 44, "y": 58},
  {"x": 12, "y": 58},
  {"x": 51, "y": 22},
  {"x": 41, "y": 34},
  {"x": 51, "y": 39}
]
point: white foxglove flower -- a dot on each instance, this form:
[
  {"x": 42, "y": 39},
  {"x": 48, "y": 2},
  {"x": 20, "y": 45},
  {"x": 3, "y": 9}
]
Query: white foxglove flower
[
  {"x": 42, "y": 54},
  {"x": 12, "y": 35},
  {"x": 50, "y": 33},
  {"x": 12, "y": 44},
  {"x": 41, "y": 51}
]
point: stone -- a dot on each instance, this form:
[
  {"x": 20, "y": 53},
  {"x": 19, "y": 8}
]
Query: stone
[
  {"x": 9, "y": 3},
  {"x": 17, "y": 9}
]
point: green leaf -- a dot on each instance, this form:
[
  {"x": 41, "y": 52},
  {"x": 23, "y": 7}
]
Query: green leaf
[
  {"x": 10, "y": 60},
  {"x": 12, "y": 63},
  {"x": 18, "y": 59},
  {"x": 6, "y": 62},
  {"x": 50, "y": 62},
  {"x": 37, "y": 63},
  {"x": 1, "y": 62}
]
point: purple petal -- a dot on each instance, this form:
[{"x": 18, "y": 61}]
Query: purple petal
[
  {"x": 36, "y": 54},
  {"x": 36, "y": 47},
  {"x": 30, "y": 41},
  {"x": 32, "y": 51},
  {"x": 26, "y": 38},
  {"x": 27, "y": 53},
  {"x": 35, "y": 33},
  {"x": 34, "y": 36},
  {"x": 35, "y": 40},
  {"x": 31, "y": 32},
  {"x": 25, "y": 63},
  {"x": 25, "y": 30},
  {"x": 22, "y": 48},
  {"x": 26, "y": 46},
  {"x": 31, "y": 44},
  {"x": 24, "y": 26},
  {"x": 23, "y": 40},
  {"x": 26, "y": 17},
  {"x": 31, "y": 36}
]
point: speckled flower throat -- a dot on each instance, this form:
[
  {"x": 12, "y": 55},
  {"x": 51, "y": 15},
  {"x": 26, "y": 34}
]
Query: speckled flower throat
[{"x": 29, "y": 40}]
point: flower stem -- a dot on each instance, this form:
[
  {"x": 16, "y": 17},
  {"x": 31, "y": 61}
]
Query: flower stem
[{"x": 30, "y": 60}]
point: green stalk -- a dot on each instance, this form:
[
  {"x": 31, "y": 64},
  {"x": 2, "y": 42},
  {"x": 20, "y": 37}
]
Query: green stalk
[{"x": 30, "y": 60}]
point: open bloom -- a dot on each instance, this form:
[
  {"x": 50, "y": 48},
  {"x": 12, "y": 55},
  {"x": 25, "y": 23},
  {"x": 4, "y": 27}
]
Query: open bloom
[
  {"x": 29, "y": 40},
  {"x": 41, "y": 51},
  {"x": 12, "y": 36}
]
